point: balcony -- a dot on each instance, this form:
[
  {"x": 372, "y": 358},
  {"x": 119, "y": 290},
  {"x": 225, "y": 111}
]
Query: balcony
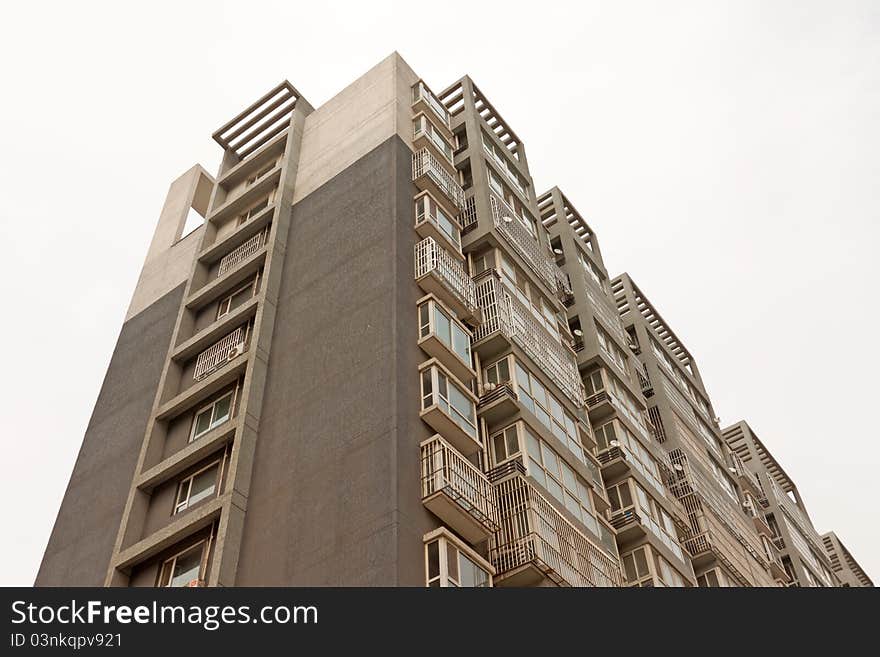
[
  {"x": 423, "y": 98},
  {"x": 505, "y": 220},
  {"x": 242, "y": 252},
  {"x": 440, "y": 274},
  {"x": 537, "y": 543},
  {"x": 449, "y": 408},
  {"x": 498, "y": 403},
  {"x": 628, "y": 525},
  {"x": 614, "y": 462},
  {"x": 427, "y": 135},
  {"x": 432, "y": 221},
  {"x": 779, "y": 542},
  {"x": 457, "y": 492},
  {"x": 430, "y": 175},
  {"x": 220, "y": 353},
  {"x": 504, "y": 315}
]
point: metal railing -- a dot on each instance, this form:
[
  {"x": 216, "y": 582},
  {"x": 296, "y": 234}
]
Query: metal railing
[
  {"x": 444, "y": 469},
  {"x": 499, "y": 392},
  {"x": 523, "y": 242},
  {"x": 242, "y": 252},
  {"x": 467, "y": 218},
  {"x": 425, "y": 164},
  {"x": 502, "y": 311},
  {"x": 431, "y": 257},
  {"x": 533, "y": 532},
  {"x": 219, "y": 353}
]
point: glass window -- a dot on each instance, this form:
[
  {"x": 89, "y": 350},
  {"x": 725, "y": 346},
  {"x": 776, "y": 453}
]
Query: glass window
[
  {"x": 184, "y": 568},
  {"x": 196, "y": 487},
  {"x": 212, "y": 415}
]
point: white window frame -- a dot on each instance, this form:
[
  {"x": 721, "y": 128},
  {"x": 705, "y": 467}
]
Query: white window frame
[
  {"x": 443, "y": 536},
  {"x": 169, "y": 564},
  {"x": 214, "y": 423},
  {"x": 183, "y": 505},
  {"x": 227, "y": 300}
]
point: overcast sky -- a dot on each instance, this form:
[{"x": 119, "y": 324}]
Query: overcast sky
[{"x": 725, "y": 153}]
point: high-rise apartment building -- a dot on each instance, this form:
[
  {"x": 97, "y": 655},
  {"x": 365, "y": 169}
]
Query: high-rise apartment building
[{"x": 384, "y": 359}]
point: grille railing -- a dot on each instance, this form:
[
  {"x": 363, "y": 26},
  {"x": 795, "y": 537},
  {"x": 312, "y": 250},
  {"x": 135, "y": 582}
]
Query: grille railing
[
  {"x": 533, "y": 532},
  {"x": 241, "y": 253},
  {"x": 425, "y": 164},
  {"x": 502, "y": 311},
  {"x": 506, "y": 222},
  {"x": 445, "y": 469},
  {"x": 217, "y": 354},
  {"x": 431, "y": 257}
]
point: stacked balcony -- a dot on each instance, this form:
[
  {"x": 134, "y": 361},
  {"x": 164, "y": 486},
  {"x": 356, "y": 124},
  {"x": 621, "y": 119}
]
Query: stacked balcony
[
  {"x": 430, "y": 175},
  {"x": 522, "y": 241},
  {"x": 424, "y": 100},
  {"x": 503, "y": 314},
  {"x": 536, "y": 542},
  {"x": 457, "y": 492},
  {"x": 242, "y": 252},
  {"x": 439, "y": 273}
]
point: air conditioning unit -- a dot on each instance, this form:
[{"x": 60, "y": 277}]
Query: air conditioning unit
[{"x": 235, "y": 351}]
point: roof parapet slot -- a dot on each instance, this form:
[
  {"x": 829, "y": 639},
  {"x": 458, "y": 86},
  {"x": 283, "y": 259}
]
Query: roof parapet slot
[{"x": 261, "y": 122}]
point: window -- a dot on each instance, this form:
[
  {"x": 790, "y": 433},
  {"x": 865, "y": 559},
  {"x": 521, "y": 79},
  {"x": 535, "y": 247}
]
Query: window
[
  {"x": 496, "y": 155},
  {"x": 499, "y": 372},
  {"x": 438, "y": 389},
  {"x": 197, "y": 487},
  {"x": 184, "y": 568},
  {"x": 428, "y": 210},
  {"x": 666, "y": 574},
  {"x": 592, "y": 271},
  {"x": 505, "y": 444},
  {"x": 212, "y": 415},
  {"x": 254, "y": 210},
  {"x": 635, "y": 567},
  {"x": 554, "y": 474},
  {"x": 638, "y": 455},
  {"x": 434, "y": 319},
  {"x": 422, "y": 126},
  {"x": 238, "y": 297},
  {"x": 547, "y": 408},
  {"x": 450, "y": 564},
  {"x": 712, "y": 579},
  {"x": 259, "y": 175}
]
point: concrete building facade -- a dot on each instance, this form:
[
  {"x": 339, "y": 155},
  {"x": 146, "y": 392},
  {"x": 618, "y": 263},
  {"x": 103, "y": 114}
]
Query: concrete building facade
[{"x": 385, "y": 359}]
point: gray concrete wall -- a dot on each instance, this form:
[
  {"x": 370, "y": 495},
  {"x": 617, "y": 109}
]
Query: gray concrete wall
[
  {"x": 82, "y": 540},
  {"x": 335, "y": 494}
]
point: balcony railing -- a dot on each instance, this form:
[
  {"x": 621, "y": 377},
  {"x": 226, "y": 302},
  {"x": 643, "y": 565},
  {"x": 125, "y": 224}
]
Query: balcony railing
[
  {"x": 523, "y": 242},
  {"x": 432, "y": 259},
  {"x": 425, "y": 165},
  {"x": 468, "y": 215},
  {"x": 533, "y": 533},
  {"x": 242, "y": 253},
  {"x": 502, "y": 311},
  {"x": 446, "y": 471},
  {"x": 220, "y": 353}
]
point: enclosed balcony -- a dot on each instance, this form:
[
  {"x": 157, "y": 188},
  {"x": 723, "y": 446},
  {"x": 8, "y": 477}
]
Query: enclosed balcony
[
  {"x": 506, "y": 317},
  {"x": 423, "y": 99},
  {"x": 427, "y": 135},
  {"x": 433, "y": 221},
  {"x": 442, "y": 336},
  {"x": 430, "y": 175},
  {"x": 537, "y": 543},
  {"x": 439, "y": 273},
  {"x": 449, "y": 408},
  {"x": 457, "y": 492}
]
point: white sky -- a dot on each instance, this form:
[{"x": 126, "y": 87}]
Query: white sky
[{"x": 726, "y": 154}]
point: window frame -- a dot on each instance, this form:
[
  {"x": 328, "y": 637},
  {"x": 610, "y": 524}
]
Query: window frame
[
  {"x": 444, "y": 538},
  {"x": 193, "y": 436},
  {"x": 169, "y": 564},
  {"x": 188, "y": 481}
]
